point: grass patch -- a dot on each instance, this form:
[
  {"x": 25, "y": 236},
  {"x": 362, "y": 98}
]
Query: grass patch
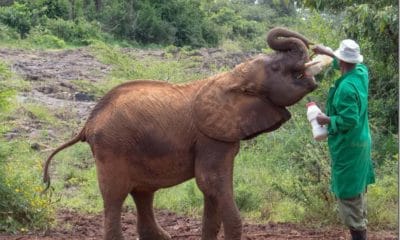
[
  {"x": 183, "y": 198},
  {"x": 75, "y": 181},
  {"x": 40, "y": 113},
  {"x": 22, "y": 206}
]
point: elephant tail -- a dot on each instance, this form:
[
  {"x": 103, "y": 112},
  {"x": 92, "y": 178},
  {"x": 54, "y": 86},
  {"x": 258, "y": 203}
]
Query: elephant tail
[{"x": 46, "y": 178}]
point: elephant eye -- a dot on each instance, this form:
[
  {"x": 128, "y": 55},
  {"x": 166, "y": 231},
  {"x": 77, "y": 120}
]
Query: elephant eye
[{"x": 299, "y": 76}]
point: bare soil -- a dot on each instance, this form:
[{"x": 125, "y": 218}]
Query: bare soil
[
  {"x": 72, "y": 225},
  {"x": 50, "y": 74}
]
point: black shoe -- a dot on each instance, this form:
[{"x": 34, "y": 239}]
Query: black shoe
[{"x": 358, "y": 234}]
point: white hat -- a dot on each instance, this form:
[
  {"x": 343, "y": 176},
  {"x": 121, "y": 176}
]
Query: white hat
[{"x": 349, "y": 51}]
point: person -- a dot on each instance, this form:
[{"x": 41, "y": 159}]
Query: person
[{"x": 349, "y": 138}]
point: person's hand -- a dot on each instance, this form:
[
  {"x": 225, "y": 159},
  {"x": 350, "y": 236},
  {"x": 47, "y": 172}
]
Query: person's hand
[
  {"x": 322, "y": 119},
  {"x": 321, "y": 49}
]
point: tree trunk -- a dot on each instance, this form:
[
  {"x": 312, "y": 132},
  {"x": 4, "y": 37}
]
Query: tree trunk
[{"x": 98, "y": 5}]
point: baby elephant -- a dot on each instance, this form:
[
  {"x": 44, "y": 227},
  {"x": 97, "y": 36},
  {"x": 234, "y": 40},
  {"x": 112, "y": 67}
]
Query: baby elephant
[{"x": 147, "y": 135}]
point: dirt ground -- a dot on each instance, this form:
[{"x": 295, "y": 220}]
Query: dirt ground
[
  {"x": 71, "y": 225},
  {"x": 50, "y": 74}
]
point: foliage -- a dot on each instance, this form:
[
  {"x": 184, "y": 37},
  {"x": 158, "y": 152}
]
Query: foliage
[
  {"x": 383, "y": 197},
  {"x": 7, "y": 34},
  {"x": 378, "y": 37},
  {"x": 285, "y": 7},
  {"x": 150, "y": 27},
  {"x": 203, "y": 24},
  {"x": 42, "y": 39},
  {"x": 78, "y": 32},
  {"x": 17, "y": 16},
  {"x": 49, "y": 8}
]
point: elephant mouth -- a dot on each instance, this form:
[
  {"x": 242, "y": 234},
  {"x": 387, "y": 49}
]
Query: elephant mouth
[{"x": 281, "y": 109}]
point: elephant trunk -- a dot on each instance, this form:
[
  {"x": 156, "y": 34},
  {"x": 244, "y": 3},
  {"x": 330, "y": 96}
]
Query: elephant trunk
[{"x": 284, "y": 40}]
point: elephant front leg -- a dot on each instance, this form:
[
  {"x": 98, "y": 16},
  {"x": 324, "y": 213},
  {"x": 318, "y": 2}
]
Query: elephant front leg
[
  {"x": 231, "y": 219},
  {"x": 220, "y": 207},
  {"x": 213, "y": 173},
  {"x": 211, "y": 219},
  {"x": 147, "y": 227}
]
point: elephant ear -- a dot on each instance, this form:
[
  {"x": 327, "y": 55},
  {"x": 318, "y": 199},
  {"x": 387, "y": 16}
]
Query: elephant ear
[{"x": 231, "y": 115}]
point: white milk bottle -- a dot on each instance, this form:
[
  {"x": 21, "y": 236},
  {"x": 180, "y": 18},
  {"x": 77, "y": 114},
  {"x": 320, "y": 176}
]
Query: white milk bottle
[{"x": 319, "y": 132}]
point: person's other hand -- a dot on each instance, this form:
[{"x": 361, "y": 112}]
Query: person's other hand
[
  {"x": 321, "y": 49},
  {"x": 322, "y": 119}
]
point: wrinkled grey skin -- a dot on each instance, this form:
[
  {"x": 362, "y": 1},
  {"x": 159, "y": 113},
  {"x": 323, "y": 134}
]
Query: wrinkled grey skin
[{"x": 148, "y": 135}]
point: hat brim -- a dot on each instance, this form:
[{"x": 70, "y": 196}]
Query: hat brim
[{"x": 339, "y": 56}]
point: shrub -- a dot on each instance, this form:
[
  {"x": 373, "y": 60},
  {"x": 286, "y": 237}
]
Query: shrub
[
  {"x": 53, "y": 8},
  {"x": 78, "y": 32},
  {"x": 7, "y": 33},
  {"x": 43, "y": 39},
  {"x": 150, "y": 27},
  {"x": 17, "y": 16}
]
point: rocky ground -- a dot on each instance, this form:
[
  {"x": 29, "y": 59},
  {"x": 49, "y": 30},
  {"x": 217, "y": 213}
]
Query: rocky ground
[{"x": 50, "y": 74}]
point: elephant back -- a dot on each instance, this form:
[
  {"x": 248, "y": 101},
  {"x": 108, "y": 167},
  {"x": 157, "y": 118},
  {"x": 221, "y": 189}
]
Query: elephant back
[{"x": 142, "y": 115}]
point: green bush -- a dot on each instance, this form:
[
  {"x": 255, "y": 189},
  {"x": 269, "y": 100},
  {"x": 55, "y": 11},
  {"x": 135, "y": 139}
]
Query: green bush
[
  {"x": 150, "y": 27},
  {"x": 42, "y": 39},
  {"x": 53, "y": 8},
  {"x": 78, "y": 32},
  {"x": 247, "y": 29},
  {"x": 17, "y": 16},
  {"x": 7, "y": 33}
]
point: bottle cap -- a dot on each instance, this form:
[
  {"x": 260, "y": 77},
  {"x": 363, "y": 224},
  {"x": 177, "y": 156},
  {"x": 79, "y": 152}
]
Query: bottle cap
[{"x": 309, "y": 104}]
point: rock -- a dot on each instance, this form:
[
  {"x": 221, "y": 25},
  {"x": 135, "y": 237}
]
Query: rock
[
  {"x": 83, "y": 97},
  {"x": 36, "y": 146}
]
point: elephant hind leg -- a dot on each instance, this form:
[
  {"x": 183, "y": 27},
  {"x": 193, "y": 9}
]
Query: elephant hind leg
[
  {"x": 113, "y": 198},
  {"x": 147, "y": 227},
  {"x": 114, "y": 186},
  {"x": 112, "y": 219}
]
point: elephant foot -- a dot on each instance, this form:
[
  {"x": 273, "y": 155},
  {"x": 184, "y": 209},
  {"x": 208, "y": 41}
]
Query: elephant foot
[{"x": 160, "y": 234}]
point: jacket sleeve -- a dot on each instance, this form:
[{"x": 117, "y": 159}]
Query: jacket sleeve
[{"x": 346, "y": 104}]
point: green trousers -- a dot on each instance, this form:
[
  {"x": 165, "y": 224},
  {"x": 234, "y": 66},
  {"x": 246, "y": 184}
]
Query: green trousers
[{"x": 353, "y": 212}]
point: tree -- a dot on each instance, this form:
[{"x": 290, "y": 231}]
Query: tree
[
  {"x": 285, "y": 7},
  {"x": 98, "y": 4}
]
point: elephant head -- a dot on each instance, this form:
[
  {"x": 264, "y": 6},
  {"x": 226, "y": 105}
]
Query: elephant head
[
  {"x": 251, "y": 99},
  {"x": 286, "y": 70}
]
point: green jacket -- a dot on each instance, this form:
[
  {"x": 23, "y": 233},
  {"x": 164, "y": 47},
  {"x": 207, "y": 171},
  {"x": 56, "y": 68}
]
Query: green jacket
[{"x": 349, "y": 138}]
